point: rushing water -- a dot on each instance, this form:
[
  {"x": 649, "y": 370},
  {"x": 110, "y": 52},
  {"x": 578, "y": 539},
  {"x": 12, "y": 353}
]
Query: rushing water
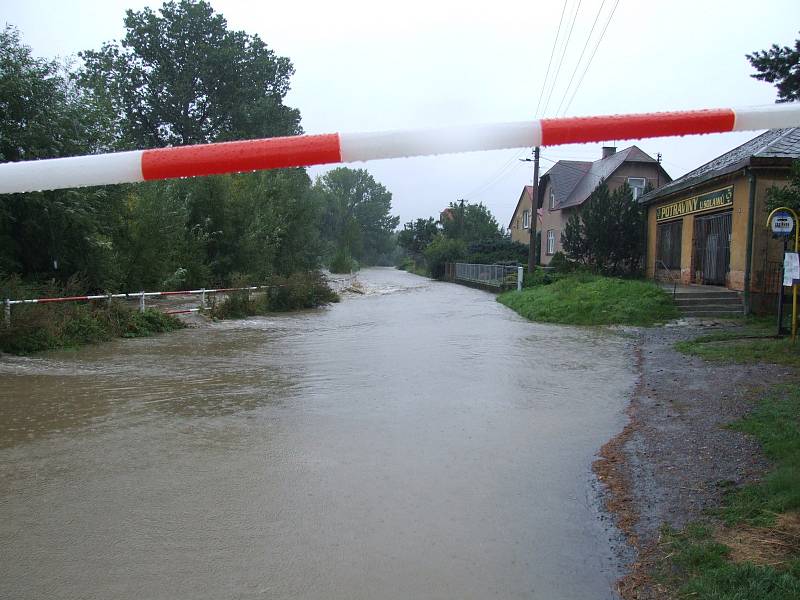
[{"x": 419, "y": 441}]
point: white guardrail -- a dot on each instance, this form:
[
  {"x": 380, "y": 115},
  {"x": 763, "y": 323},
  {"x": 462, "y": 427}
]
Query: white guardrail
[
  {"x": 8, "y": 303},
  {"x": 492, "y": 275}
]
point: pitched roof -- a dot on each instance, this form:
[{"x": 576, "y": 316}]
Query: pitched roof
[
  {"x": 776, "y": 146},
  {"x": 574, "y": 181},
  {"x": 527, "y": 192}
]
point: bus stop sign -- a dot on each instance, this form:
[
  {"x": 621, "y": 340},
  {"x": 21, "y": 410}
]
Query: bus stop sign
[{"x": 782, "y": 223}]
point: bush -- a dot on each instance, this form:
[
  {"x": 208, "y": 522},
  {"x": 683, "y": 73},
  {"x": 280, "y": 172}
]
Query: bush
[
  {"x": 342, "y": 262},
  {"x": 538, "y": 277},
  {"x": 497, "y": 251},
  {"x": 561, "y": 264},
  {"x": 295, "y": 292},
  {"x": 443, "y": 250}
]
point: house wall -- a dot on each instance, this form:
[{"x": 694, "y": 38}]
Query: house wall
[
  {"x": 557, "y": 219},
  {"x": 518, "y": 234},
  {"x": 766, "y": 252}
]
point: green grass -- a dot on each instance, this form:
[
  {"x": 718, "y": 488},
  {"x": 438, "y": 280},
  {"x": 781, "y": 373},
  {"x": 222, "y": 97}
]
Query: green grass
[
  {"x": 593, "y": 300},
  {"x": 754, "y": 342},
  {"x": 775, "y": 422},
  {"x": 697, "y": 566}
]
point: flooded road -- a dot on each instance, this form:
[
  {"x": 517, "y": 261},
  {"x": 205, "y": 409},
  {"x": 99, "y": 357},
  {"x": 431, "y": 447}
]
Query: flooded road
[{"x": 419, "y": 441}]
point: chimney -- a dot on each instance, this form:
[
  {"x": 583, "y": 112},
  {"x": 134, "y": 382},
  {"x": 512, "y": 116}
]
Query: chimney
[{"x": 608, "y": 151}]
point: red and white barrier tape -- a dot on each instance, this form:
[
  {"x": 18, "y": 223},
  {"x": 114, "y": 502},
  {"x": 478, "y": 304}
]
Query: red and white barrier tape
[{"x": 306, "y": 150}]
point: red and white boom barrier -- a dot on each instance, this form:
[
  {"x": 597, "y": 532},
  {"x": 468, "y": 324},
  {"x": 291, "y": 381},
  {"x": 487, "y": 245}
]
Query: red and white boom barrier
[{"x": 306, "y": 150}]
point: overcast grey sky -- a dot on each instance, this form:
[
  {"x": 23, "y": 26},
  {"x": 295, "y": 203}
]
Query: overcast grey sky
[{"x": 370, "y": 65}]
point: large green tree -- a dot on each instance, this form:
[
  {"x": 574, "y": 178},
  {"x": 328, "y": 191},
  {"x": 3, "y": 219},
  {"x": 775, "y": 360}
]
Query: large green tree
[
  {"x": 180, "y": 76},
  {"x": 779, "y": 65},
  {"x": 470, "y": 223},
  {"x": 357, "y": 220},
  {"x": 416, "y": 236}
]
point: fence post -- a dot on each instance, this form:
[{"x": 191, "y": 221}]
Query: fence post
[
  {"x": 8, "y": 312},
  {"x": 141, "y": 301},
  {"x": 520, "y": 275},
  {"x": 203, "y": 298}
]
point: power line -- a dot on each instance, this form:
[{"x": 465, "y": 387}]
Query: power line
[
  {"x": 550, "y": 62},
  {"x": 580, "y": 58},
  {"x": 588, "y": 64},
  {"x": 563, "y": 54},
  {"x": 496, "y": 177}
]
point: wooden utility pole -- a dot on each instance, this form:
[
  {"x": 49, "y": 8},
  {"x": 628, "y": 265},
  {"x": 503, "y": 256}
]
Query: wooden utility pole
[{"x": 534, "y": 210}]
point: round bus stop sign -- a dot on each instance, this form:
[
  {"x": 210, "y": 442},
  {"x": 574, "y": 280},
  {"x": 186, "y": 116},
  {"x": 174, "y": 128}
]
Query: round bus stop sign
[{"x": 782, "y": 223}]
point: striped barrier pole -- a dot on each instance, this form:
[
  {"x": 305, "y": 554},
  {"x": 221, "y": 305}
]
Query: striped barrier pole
[{"x": 307, "y": 150}]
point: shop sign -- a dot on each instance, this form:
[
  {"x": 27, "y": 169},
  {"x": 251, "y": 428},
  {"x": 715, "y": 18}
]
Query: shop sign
[{"x": 703, "y": 202}]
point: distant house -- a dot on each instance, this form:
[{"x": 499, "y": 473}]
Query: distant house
[
  {"x": 520, "y": 223},
  {"x": 565, "y": 188},
  {"x": 709, "y": 226}
]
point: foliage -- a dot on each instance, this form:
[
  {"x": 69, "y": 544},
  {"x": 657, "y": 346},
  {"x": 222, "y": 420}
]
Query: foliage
[
  {"x": 538, "y": 277},
  {"x": 39, "y": 327},
  {"x": 593, "y": 300},
  {"x": 182, "y": 77},
  {"x": 497, "y": 251},
  {"x": 608, "y": 233},
  {"x": 780, "y": 66},
  {"x": 342, "y": 262},
  {"x": 443, "y": 250},
  {"x": 788, "y": 195},
  {"x": 416, "y": 236},
  {"x": 356, "y": 219},
  {"x": 297, "y": 291},
  {"x": 561, "y": 264},
  {"x": 470, "y": 223}
]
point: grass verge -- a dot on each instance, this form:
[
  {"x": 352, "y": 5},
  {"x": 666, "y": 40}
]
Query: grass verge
[
  {"x": 755, "y": 553},
  {"x": 593, "y": 300},
  {"x": 754, "y": 342}
]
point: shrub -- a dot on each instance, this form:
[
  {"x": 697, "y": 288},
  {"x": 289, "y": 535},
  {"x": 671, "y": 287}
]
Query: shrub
[{"x": 443, "y": 250}]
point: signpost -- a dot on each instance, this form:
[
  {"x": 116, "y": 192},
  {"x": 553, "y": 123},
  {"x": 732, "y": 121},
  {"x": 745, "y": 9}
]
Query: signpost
[{"x": 783, "y": 221}]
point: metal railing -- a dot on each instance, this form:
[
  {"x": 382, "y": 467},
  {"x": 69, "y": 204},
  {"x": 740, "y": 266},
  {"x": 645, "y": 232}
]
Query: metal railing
[
  {"x": 670, "y": 275},
  {"x": 140, "y": 296},
  {"x": 499, "y": 276}
]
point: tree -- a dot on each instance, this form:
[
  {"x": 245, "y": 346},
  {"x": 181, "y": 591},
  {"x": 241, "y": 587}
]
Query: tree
[
  {"x": 182, "y": 77},
  {"x": 443, "y": 250},
  {"x": 788, "y": 195},
  {"x": 356, "y": 219},
  {"x": 416, "y": 236},
  {"x": 470, "y": 223},
  {"x": 608, "y": 232},
  {"x": 780, "y": 66}
]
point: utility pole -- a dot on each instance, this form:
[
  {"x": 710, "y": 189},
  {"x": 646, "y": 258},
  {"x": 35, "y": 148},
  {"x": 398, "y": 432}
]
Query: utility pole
[{"x": 534, "y": 209}]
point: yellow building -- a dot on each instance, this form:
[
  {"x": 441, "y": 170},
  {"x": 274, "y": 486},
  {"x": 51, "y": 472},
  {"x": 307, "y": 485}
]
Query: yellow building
[{"x": 709, "y": 226}]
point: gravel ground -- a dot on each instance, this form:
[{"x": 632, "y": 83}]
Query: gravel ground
[{"x": 675, "y": 458}]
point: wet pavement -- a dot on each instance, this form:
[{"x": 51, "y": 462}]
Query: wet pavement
[{"x": 419, "y": 440}]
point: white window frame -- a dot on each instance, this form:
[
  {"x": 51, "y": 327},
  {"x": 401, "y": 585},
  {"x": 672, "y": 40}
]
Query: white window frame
[
  {"x": 552, "y": 199},
  {"x": 638, "y": 191},
  {"x": 526, "y": 219},
  {"x": 551, "y": 241}
]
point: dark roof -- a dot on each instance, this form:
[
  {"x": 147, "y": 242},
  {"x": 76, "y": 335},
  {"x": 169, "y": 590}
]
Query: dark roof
[
  {"x": 777, "y": 146},
  {"x": 574, "y": 181}
]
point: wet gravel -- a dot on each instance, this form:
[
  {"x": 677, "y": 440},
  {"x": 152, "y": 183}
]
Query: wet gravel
[{"x": 681, "y": 456}]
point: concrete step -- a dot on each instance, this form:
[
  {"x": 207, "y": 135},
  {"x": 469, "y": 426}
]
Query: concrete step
[
  {"x": 705, "y": 295},
  {"x": 713, "y": 311},
  {"x": 689, "y": 302}
]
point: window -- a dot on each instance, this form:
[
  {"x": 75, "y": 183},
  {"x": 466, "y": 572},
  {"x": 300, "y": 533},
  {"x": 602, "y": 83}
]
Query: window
[
  {"x": 552, "y": 199},
  {"x": 526, "y": 219},
  {"x": 668, "y": 245},
  {"x": 551, "y": 241},
  {"x": 637, "y": 185}
]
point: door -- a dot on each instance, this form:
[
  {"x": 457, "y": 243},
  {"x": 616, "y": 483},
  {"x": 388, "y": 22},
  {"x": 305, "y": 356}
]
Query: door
[{"x": 712, "y": 248}]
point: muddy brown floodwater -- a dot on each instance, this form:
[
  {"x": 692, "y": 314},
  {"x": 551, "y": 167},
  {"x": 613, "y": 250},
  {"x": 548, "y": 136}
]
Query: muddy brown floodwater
[{"x": 419, "y": 441}]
